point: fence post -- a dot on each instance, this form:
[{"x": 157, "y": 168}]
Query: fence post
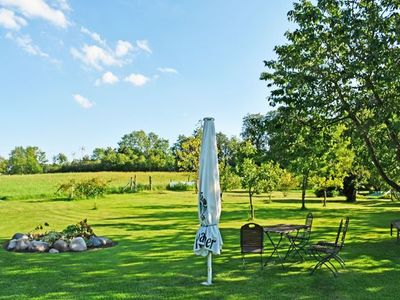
[
  {"x": 134, "y": 183},
  {"x": 131, "y": 184},
  {"x": 150, "y": 182}
]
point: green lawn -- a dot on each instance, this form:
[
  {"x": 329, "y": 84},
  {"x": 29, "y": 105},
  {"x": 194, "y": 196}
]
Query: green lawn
[{"x": 154, "y": 257}]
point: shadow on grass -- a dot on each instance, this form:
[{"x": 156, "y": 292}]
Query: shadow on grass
[{"x": 154, "y": 259}]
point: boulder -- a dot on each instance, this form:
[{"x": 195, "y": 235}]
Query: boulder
[
  {"x": 22, "y": 244},
  {"x": 39, "y": 246},
  {"x": 61, "y": 245},
  {"x": 11, "y": 245},
  {"x": 106, "y": 242},
  {"x": 18, "y": 236},
  {"x": 78, "y": 244},
  {"x": 53, "y": 251},
  {"x": 95, "y": 242}
]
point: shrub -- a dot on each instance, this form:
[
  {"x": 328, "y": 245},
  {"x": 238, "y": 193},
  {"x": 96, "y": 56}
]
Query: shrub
[
  {"x": 90, "y": 188},
  {"x": 330, "y": 192},
  {"x": 181, "y": 186}
]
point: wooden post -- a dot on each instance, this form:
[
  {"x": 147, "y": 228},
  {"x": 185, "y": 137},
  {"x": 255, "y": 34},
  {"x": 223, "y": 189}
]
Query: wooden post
[
  {"x": 150, "y": 182},
  {"x": 131, "y": 184},
  {"x": 135, "y": 182}
]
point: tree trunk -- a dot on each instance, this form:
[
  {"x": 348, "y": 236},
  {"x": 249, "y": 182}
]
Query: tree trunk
[
  {"x": 324, "y": 203},
  {"x": 372, "y": 153},
  {"x": 349, "y": 188},
  {"x": 251, "y": 206},
  {"x": 303, "y": 190}
]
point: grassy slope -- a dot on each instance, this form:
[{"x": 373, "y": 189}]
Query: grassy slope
[
  {"x": 45, "y": 185},
  {"x": 154, "y": 257}
]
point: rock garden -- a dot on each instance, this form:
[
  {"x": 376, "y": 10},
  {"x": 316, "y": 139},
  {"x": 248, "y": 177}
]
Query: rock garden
[{"x": 76, "y": 238}]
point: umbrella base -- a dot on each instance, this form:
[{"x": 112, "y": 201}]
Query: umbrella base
[{"x": 206, "y": 283}]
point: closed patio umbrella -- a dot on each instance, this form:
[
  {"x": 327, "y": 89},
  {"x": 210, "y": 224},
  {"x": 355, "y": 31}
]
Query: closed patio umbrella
[{"x": 208, "y": 239}]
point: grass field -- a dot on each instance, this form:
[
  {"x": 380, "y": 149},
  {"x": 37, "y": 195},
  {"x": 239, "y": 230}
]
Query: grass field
[{"x": 154, "y": 258}]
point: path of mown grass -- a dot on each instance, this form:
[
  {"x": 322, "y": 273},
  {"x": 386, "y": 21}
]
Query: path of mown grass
[{"x": 154, "y": 258}]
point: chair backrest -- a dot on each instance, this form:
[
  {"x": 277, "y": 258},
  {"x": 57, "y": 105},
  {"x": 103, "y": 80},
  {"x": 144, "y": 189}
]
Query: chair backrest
[
  {"x": 252, "y": 238},
  {"x": 342, "y": 231},
  {"x": 309, "y": 221}
]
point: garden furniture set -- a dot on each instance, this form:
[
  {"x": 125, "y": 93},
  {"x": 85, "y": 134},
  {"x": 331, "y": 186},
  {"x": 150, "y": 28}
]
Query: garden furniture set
[{"x": 297, "y": 244}]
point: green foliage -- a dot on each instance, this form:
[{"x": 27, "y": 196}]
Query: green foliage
[
  {"x": 228, "y": 178},
  {"x": 286, "y": 182},
  {"x": 187, "y": 152},
  {"x": 3, "y": 165},
  {"x": 81, "y": 229},
  {"x": 256, "y": 179},
  {"x": 89, "y": 188},
  {"x": 60, "y": 159},
  {"x": 181, "y": 186},
  {"x": 29, "y": 160},
  {"x": 340, "y": 66}
]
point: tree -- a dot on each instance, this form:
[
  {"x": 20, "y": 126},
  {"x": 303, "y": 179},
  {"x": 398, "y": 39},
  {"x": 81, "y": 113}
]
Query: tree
[
  {"x": 3, "y": 165},
  {"x": 257, "y": 179},
  {"x": 29, "y": 160},
  {"x": 60, "y": 159},
  {"x": 147, "y": 151},
  {"x": 228, "y": 179},
  {"x": 335, "y": 163},
  {"x": 340, "y": 65},
  {"x": 254, "y": 130},
  {"x": 187, "y": 153}
]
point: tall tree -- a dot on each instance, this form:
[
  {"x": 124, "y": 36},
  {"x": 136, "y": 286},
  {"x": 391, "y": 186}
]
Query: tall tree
[
  {"x": 29, "y": 160},
  {"x": 340, "y": 65}
]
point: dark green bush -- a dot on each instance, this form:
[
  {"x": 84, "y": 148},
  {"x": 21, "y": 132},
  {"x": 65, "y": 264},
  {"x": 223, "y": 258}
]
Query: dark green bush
[{"x": 330, "y": 192}]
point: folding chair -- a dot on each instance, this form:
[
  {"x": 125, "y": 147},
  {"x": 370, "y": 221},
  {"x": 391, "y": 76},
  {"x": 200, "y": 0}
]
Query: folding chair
[
  {"x": 300, "y": 241},
  {"x": 252, "y": 240},
  {"x": 325, "y": 252}
]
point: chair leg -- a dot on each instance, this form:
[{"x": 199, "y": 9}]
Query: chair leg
[{"x": 262, "y": 263}]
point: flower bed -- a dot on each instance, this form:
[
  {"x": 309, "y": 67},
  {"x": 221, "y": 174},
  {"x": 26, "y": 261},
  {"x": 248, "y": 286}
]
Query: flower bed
[{"x": 75, "y": 238}]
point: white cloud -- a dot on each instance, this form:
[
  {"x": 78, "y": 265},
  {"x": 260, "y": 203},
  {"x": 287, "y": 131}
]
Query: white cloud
[
  {"x": 9, "y": 20},
  {"x": 26, "y": 43},
  {"x": 107, "y": 78},
  {"x": 38, "y": 9},
  {"x": 144, "y": 45},
  {"x": 62, "y": 4},
  {"x": 123, "y": 48},
  {"x": 82, "y": 101},
  {"x": 168, "y": 70},
  {"x": 137, "y": 79},
  {"x": 96, "y": 57},
  {"x": 95, "y": 36}
]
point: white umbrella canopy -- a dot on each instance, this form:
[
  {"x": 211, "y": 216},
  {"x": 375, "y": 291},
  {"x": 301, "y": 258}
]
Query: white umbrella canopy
[{"x": 208, "y": 239}]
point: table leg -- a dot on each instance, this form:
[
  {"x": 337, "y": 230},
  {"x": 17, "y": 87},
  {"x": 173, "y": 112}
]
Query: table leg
[{"x": 275, "y": 246}]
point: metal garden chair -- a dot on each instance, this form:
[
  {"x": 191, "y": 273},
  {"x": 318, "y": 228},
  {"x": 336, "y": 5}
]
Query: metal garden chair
[
  {"x": 300, "y": 241},
  {"x": 326, "y": 252},
  {"x": 252, "y": 240}
]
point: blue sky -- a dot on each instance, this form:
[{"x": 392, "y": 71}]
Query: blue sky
[{"x": 84, "y": 73}]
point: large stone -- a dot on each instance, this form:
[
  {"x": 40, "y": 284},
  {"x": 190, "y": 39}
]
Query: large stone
[
  {"x": 11, "y": 245},
  {"x": 77, "y": 244},
  {"x": 53, "y": 251},
  {"x": 38, "y": 246},
  {"x": 95, "y": 242},
  {"x": 22, "y": 245},
  {"x": 106, "y": 242},
  {"x": 18, "y": 236},
  {"x": 61, "y": 245}
]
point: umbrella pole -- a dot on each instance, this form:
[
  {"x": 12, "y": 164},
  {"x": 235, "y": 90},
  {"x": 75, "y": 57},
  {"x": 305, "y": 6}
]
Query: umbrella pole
[{"x": 209, "y": 269}]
